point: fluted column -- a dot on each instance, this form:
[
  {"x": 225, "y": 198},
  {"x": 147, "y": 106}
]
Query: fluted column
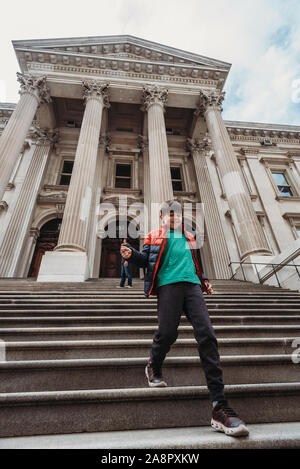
[
  {"x": 15, "y": 234},
  {"x": 220, "y": 256},
  {"x": 249, "y": 232},
  {"x": 33, "y": 92},
  {"x": 154, "y": 100},
  {"x": 73, "y": 233},
  {"x": 143, "y": 145}
]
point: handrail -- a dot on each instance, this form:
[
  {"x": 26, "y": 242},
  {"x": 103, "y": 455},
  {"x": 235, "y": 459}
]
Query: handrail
[{"x": 266, "y": 276}]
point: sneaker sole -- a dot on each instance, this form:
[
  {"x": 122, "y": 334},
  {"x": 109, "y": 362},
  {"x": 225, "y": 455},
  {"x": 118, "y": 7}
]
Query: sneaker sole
[
  {"x": 155, "y": 385},
  {"x": 241, "y": 430}
]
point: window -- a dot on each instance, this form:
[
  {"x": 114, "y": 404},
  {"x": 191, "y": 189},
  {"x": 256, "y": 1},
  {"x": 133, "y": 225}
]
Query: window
[
  {"x": 176, "y": 178},
  {"x": 66, "y": 173},
  {"x": 282, "y": 184},
  {"x": 123, "y": 176},
  {"x": 298, "y": 231},
  {"x": 170, "y": 131}
]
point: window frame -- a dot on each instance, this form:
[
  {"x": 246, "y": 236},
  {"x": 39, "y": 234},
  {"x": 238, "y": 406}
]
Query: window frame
[
  {"x": 60, "y": 173},
  {"x": 178, "y": 165},
  {"x": 123, "y": 163},
  {"x": 286, "y": 177}
]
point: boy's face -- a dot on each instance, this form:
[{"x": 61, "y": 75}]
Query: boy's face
[{"x": 172, "y": 219}]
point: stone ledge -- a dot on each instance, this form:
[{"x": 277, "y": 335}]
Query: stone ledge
[{"x": 262, "y": 436}]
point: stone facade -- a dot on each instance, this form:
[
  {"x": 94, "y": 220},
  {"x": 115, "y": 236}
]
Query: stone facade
[{"x": 90, "y": 107}]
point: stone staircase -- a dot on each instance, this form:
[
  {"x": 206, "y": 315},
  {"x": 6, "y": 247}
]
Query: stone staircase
[{"x": 75, "y": 359}]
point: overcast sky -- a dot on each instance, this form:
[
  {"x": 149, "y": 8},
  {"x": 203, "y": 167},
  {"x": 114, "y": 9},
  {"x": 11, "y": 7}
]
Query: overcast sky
[{"x": 260, "y": 38}]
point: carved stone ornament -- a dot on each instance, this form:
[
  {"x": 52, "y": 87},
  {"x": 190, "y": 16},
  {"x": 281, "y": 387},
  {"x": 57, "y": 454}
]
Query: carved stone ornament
[
  {"x": 198, "y": 145},
  {"x": 34, "y": 85},
  {"x": 154, "y": 95},
  {"x": 210, "y": 99},
  {"x": 142, "y": 143},
  {"x": 105, "y": 140},
  {"x": 92, "y": 89},
  {"x": 3, "y": 206},
  {"x": 44, "y": 136}
]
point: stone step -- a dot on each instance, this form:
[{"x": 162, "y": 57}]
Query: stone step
[
  {"x": 132, "y": 305},
  {"x": 104, "y": 282},
  {"x": 140, "y": 332},
  {"x": 20, "y": 314},
  {"x": 147, "y": 320},
  {"x": 216, "y": 298},
  {"x": 283, "y": 435},
  {"x": 119, "y": 373},
  {"x": 132, "y": 348},
  {"x": 43, "y": 413}
]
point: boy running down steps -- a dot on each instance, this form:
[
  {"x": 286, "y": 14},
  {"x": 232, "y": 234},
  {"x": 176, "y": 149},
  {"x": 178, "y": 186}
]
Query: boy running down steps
[{"x": 173, "y": 274}]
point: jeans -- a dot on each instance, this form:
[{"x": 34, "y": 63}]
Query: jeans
[
  {"x": 187, "y": 297},
  {"x": 125, "y": 271}
]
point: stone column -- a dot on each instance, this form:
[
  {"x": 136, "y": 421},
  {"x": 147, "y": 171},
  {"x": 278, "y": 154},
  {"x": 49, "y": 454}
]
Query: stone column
[
  {"x": 217, "y": 242},
  {"x": 143, "y": 145},
  {"x": 33, "y": 92},
  {"x": 154, "y": 100},
  {"x": 71, "y": 250},
  {"x": 76, "y": 216},
  {"x": 19, "y": 223},
  {"x": 249, "y": 232}
]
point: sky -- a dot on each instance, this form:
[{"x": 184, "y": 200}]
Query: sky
[{"x": 260, "y": 38}]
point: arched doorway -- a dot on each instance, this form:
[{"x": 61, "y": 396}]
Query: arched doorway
[
  {"x": 46, "y": 241},
  {"x": 110, "y": 264}
]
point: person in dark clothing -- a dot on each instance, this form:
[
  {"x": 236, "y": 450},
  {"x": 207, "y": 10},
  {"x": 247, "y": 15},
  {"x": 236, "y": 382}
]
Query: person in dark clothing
[
  {"x": 125, "y": 270},
  {"x": 174, "y": 275}
]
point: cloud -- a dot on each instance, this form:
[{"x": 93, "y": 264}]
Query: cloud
[{"x": 260, "y": 38}]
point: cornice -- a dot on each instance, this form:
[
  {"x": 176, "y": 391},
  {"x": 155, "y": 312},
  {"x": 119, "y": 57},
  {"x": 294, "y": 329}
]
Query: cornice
[
  {"x": 106, "y": 65},
  {"x": 121, "y": 74}
]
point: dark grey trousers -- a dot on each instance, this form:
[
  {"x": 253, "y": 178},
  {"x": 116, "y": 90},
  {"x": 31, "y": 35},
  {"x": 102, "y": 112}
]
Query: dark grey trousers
[{"x": 187, "y": 297}]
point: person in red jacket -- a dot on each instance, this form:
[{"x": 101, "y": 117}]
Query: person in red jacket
[{"x": 174, "y": 275}]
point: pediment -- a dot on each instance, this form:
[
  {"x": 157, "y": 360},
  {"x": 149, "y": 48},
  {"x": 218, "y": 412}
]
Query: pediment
[
  {"x": 120, "y": 56},
  {"x": 129, "y": 47}
]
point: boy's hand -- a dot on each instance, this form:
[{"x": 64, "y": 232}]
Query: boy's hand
[
  {"x": 125, "y": 252},
  {"x": 209, "y": 289}
]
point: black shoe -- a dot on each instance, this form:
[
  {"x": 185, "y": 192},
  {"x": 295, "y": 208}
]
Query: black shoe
[
  {"x": 225, "y": 420},
  {"x": 154, "y": 376}
]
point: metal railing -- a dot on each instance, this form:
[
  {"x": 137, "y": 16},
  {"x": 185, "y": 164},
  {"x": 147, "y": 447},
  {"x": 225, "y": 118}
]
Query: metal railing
[{"x": 275, "y": 267}]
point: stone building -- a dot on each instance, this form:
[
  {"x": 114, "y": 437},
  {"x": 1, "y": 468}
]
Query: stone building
[{"x": 104, "y": 119}]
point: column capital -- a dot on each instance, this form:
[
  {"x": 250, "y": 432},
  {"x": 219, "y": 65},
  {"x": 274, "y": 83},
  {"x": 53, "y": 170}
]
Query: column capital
[
  {"x": 43, "y": 136},
  {"x": 154, "y": 95},
  {"x": 95, "y": 89},
  {"x": 35, "y": 86},
  {"x": 196, "y": 145},
  {"x": 210, "y": 100}
]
